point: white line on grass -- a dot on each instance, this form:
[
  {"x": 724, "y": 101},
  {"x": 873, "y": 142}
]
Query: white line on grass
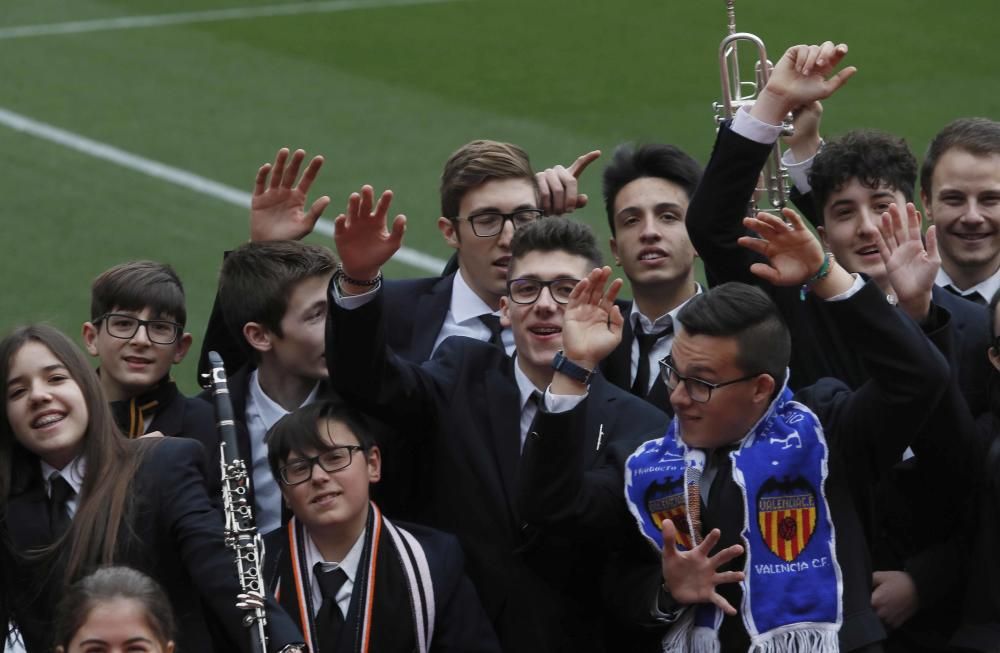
[
  {"x": 178, "y": 177},
  {"x": 208, "y": 16}
]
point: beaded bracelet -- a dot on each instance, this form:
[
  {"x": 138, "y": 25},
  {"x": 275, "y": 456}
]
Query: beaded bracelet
[
  {"x": 822, "y": 273},
  {"x": 342, "y": 276}
]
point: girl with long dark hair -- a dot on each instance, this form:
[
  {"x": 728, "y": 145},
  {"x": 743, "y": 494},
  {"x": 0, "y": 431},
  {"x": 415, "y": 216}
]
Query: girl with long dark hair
[{"x": 76, "y": 495}]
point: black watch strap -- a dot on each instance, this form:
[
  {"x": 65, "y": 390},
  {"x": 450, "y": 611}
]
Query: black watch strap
[{"x": 562, "y": 364}]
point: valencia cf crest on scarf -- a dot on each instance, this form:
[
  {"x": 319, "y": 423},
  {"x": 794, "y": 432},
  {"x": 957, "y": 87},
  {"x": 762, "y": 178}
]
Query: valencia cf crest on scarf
[
  {"x": 786, "y": 512},
  {"x": 665, "y": 500}
]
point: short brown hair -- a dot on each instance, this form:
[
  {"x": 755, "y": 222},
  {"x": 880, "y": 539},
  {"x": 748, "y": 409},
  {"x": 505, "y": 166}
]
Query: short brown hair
[
  {"x": 134, "y": 285},
  {"x": 474, "y": 164},
  {"x": 257, "y": 279},
  {"x": 977, "y": 136}
]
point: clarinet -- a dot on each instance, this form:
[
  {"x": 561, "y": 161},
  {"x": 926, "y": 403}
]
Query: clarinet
[{"x": 241, "y": 533}]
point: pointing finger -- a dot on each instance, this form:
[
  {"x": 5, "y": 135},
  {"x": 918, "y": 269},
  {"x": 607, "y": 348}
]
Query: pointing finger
[{"x": 582, "y": 162}]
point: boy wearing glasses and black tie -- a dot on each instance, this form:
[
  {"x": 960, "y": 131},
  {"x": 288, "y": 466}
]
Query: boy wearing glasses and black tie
[
  {"x": 471, "y": 407},
  {"x": 341, "y": 568},
  {"x": 136, "y": 329}
]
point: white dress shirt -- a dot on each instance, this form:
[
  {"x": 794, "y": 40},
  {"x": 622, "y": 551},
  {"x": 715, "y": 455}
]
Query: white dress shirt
[
  {"x": 73, "y": 473},
  {"x": 662, "y": 346},
  {"x": 985, "y": 288},
  {"x": 349, "y": 564},
  {"x": 463, "y": 317},
  {"x": 262, "y": 413}
]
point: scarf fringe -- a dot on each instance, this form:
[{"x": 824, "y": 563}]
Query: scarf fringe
[
  {"x": 685, "y": 637},
  {"x": 811, "y": 640},
  {"x": 704, "y": 640},
  {"x": 676, "y": 639}
]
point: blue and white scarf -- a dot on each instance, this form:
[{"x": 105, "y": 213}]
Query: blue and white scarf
[{"x": 792, "y": 589}]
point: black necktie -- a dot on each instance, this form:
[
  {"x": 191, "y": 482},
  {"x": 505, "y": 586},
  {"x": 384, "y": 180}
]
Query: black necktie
[
  {"x": 329, "y": 619},
  {"x": 972, "y": 297},
  {"x": 723, "y": 470},
  {"x": 640, "y": 387},
  {"x": 492, "y": 323},
  {"x": 60, "y": 494}
]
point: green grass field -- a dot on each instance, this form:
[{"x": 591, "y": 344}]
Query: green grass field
[{"x": 386, "y": 93}]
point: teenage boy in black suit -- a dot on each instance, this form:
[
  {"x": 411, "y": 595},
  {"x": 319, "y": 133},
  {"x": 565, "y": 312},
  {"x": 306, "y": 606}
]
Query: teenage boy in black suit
[
  {"x": 960, "y": 190},
  {"x": 646, "y": 194},
  {"x": 726, "y": 373},
  {"x": 325, "y": 458},
  {"x": 136, "y": 329},
  {"x": 273, "y": 294},
  {"x": 470, "y": 408}
]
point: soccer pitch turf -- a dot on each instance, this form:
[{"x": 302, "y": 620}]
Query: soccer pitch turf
[{"x": 386, "y": 90}]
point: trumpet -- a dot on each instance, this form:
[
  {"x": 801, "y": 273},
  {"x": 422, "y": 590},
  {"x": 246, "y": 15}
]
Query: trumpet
[{"x": 772, "y": 188}]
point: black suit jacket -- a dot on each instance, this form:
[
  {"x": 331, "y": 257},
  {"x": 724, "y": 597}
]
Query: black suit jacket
[
  {"x": 819, "y": 349},
  {"x": 193, "y": 418},
  {"x": 617, "y": 367},
  {"x": 177, "y": 539},
  {"x": 460, "y": 625},
  {"x": 867, "y": 431},
  {"x": 415, "y": 310},
  {"x": 463, "y": 408}
]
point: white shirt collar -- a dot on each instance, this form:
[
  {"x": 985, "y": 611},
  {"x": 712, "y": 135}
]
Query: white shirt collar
[
  {"x": 648, "y": 325},
  {"x": 349, "y": 564},
  {"x": 73, "y": 473},
  {"x": 466, "y": 305},
  {"x": 524, "y": 385},
  {"x": 985, "y": 288},
  {"x": 268, "y": 409}
]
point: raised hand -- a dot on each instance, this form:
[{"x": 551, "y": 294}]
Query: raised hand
[
  {"x": 592, "y": 323},
  {"x": 911, "y": 268},
  {"x": 363, "y": 243},
  {"x": 801, "y": 76},
  {"x": 793, "y": 252},
  {"x": 558, "y": 186},
  {"x": 692, "y": 576},
  {"x": 277, "y": 209}
]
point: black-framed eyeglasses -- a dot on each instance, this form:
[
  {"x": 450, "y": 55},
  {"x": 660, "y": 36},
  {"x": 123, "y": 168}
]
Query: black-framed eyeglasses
[
  {"x": 490, "y": 223},
  {"x": 527, "y": 290},
  {"x": 333, "y": 459},
  {"x": 698, "y": 390},
  {"x": 161, "y": 332}
]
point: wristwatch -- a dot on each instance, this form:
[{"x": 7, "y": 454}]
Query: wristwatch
[{"x": 562, "y": 364}]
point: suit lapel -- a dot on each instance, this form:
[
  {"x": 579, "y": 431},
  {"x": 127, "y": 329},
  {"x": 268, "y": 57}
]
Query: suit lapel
[
  {"x": 617, "y": 367},
  {"x": 431, "y": 311},
  {"x": 599, "y": 406},
  {"x": 169, "y": 416},
  {"x": 504, "y": 403},
  {"x": 659, "y": 396}
]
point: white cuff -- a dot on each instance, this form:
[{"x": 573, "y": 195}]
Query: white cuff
[
  {"x": 798, "y": 171},
  {"x": 562, "y": 403},
  {"x": 859, "y": 283},
  {"x": 351, "y": 302},
  {"x": 756, "y": 130}
]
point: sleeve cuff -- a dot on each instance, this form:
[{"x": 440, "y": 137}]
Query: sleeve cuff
[
  {"x": 753, "y": 129},
  {"x": 859, "y": 283},
  {"x": 562, "y": 403},
  {"x": 665, "y": 609},
  {"x": 798, "y": 171},
  {"x": 351, "y": 302}
]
